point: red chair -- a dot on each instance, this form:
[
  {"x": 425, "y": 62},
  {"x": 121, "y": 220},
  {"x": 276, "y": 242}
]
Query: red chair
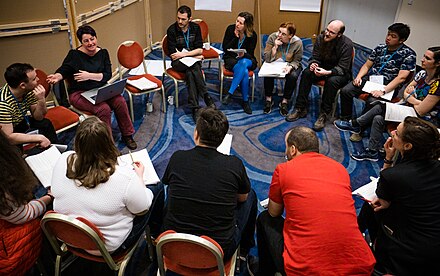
[
  {"x": 210, "y": 54},
  {"x": 79, "y": 236},
  {"x": 226, "y": 74},
  {"x": 131, "y": 55},
  {"x": 62, "y": 118},
  {"x": 188, "y": 254}
]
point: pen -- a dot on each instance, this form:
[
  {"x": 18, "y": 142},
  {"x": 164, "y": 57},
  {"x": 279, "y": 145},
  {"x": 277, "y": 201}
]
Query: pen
[{"x": 131, "y": 156}]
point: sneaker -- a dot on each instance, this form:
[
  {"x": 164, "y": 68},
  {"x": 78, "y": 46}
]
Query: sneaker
[
  {"x": 247, "y": 108},
  {"x": 367, "y": 154},
  {"x": 209, "y": 102},
  {"x": 268, "y": 107},
  {"x": 355, "y": 137},
  {"x": 347, "y": 126},
  {"x": 227, "y": 99},
  {"x": 299, "y": 113},
  {"x": 129, "y": 142},
  {"x": 320, "y": 123},
  {"x": 284, "y": 109}
]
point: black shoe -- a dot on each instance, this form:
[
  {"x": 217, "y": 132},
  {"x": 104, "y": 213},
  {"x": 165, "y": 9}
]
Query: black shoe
[
  {"x": 227, "y": 99},
  {"x": 284, "y": 109},
  {"x": 320, "y": 123},
  {"x": 129, "y": 142},
  {"x": 209, "y": 102},
  {"x": 195, "y": 114},
  {"x": 247, "y": 108},
  {"x": 268, "y": 107},
  {"x": 299, "y": 113}
]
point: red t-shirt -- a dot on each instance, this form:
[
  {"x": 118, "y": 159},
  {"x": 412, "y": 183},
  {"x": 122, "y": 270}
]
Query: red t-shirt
[{"x": 321, "y": 235}]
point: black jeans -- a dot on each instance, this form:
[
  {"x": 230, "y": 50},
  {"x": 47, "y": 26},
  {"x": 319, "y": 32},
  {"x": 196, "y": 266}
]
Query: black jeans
[
  {"x": 331, "y": 87},
  {"x": 194, "y": 81},
  {"x": 289, "y": 85},
  {"x": 270, "y": 244}
]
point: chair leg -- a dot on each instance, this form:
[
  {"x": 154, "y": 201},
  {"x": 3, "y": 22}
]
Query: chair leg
[
  {"x": 221, "y": 85},
  {"x": 130, "y": 98},
  {"x": 58, "y": 265},
  {"x": 176, "y": 87},
  {"x": 335, "y": 104},
  {"x": 163, "y": 100},
  {"x": 253, "y": 87}
]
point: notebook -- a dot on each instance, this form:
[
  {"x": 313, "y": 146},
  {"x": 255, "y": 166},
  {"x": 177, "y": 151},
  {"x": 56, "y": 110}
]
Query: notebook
[{"x": 103, "y": 93}]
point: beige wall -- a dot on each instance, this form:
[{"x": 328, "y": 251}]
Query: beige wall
[{"x": 422, "y": 16}]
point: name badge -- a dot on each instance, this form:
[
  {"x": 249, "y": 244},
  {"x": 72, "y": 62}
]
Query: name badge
[{"x": 377, "y": 79}]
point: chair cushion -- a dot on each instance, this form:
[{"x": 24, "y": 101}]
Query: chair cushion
[
  {"x": 61, "y": 117},
  {"x": 177, "y": 75},
  {"x": 150, "y": 77},
  {"x": 364, "y": 96},
  {"x": 211, "y": 53},
  {"x": 320, "y": 83},
  {"x": 228, "y": 73}
]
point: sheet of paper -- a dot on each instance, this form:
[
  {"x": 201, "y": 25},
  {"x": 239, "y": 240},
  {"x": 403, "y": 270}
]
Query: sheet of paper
[
  {"x": 377, "y": 79},
  {"x": 142, "y": 83},
  {"x": 217, "y": 50},
  {"x": 264, "y": 203},
  {"x": 42, "y": 164},
  {"x": 154, "y": 67},
  {"x": 273, "y": 69},
  {"x": 189, "y": 61},
  {"x": 213, "y": 5},
  {"x": 237, "y": 50},
  {"x": 398, "y": 113},
  {"x": 368, "y": 191},
  {"x": 372, "y": 86},
  {"x": 150, "y": 175},
  {"x": 225, "y": 146}
]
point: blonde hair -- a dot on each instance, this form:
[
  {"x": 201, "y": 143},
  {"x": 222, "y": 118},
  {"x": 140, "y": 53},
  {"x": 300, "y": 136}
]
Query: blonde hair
[{"x": 95, "y": 156}]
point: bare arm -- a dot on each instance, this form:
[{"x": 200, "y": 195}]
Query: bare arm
[
  {"x": 362, "y": 72},
  {"x": 21, "y": 138},
  {"x": 39, "y": 109},
  {"x": 275, "y": 209},
  {"x": 399, "y": 79}
]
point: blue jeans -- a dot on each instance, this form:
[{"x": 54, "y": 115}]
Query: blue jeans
[{"x": 241, "y": 77}]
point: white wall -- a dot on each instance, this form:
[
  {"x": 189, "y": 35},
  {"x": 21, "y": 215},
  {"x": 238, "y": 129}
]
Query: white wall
[{"x": 423, "y": 16}]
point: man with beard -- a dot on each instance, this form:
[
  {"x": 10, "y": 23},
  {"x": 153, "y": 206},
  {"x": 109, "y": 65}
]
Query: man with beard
[
  {"x": 331, "y": 61},
  {"x": 185, "y": 40}
]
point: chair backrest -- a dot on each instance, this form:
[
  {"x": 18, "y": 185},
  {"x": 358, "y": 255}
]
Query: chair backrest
[
  {"x": 165, "y": 52},
  {"x": 201, "y": 254},
  {"x": 203, "y": 29},
  {"x": 42, "y": 79},
  {"x": 130, "y": 54},
  {"x": 76, "y": 233}
]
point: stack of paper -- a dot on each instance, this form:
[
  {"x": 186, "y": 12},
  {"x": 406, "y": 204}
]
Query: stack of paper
[
  {"x": 42, "y": 164},
  {"x": 150, "y": 175},
  {"x": 368, "y": 191},
  {"x": 273, "y": 69},
  {"x": 398, "y": 113},
  {"x": 372, "y": 86},
  {"x": 142, "y": 83}
]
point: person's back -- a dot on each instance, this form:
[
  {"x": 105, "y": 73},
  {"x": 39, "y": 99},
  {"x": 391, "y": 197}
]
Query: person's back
[{"x": 320, "y": 231}]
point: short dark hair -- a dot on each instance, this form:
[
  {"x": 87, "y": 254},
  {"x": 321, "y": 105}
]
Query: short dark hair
[
  {"x": 17, "y": 73},
  {"x": 86, "y": 29},
  {"x": 402, "y": 30},
  {"x": 423, "y": 136},
  {"x": 184, "y": 9},
  {"x": 291, "y": 28},
  {"x": 212, "y": 126},
  {"x": 303, "y": 138}
]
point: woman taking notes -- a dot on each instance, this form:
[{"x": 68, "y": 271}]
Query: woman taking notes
[{"x": 240, "y": 35}]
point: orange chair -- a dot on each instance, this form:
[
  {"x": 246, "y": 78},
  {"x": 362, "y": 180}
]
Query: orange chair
[
  {"x": 79, "y": 236},
  {"x": 131, "y": 55},
  {"x": 210, "y": 54},
  {"x": 62, "y": 118},
  {"x": 226, "y": 74},
  {"x": 188, "y": 254}
]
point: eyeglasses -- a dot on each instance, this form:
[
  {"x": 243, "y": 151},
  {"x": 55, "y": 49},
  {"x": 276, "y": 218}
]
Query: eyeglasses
[{"x": 330, "y": 32}]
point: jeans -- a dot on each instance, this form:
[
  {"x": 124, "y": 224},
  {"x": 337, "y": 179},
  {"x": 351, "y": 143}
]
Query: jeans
[
  {"x": 270, "y": 244},
  {"x": 374, "y": 116},
  {"x": 104, "y": 111},
  {"x": 194, "y": 81},
  {"x": 331, "y": 87},
  {"x": 289, "y": 85},
  {"x": 241, "y": 77}
]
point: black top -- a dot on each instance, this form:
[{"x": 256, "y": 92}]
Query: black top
[
  {"x": 202, "y": 193},
  {"x": 77, "y": 60},
  {"x": 339, "y": 61},
  {"x": 176, "y": 38},
  {"x": 413, "y": 188},
  {"x": 230, "y": 41}
]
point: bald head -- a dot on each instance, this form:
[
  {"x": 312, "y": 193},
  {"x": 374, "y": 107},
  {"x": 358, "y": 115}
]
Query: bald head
[{"x": 334, "y": 30}]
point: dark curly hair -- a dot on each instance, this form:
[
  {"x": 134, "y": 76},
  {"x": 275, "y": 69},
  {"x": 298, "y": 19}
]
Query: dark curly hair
[{"x": 17, "y": 179}]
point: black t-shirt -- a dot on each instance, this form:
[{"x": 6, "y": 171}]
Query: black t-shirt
[{"x": 202, "y": 193}]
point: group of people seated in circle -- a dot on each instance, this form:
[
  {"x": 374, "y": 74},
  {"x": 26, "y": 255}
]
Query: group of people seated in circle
[{"x": 310, "y": 225}]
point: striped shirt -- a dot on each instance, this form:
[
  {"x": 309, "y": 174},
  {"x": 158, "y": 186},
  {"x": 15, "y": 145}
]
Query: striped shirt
[
  {"x": 25, "y": 213},
  {"x": 11, "y": 111}
]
